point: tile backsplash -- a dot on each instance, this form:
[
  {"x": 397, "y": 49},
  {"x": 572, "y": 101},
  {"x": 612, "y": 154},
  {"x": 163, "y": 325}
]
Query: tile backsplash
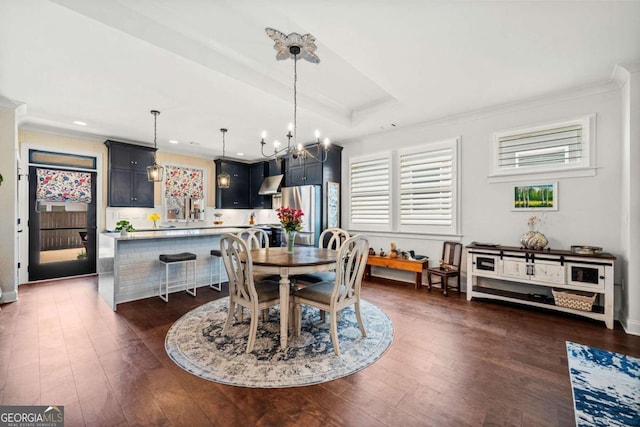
[{"x": 138, "y": 216}]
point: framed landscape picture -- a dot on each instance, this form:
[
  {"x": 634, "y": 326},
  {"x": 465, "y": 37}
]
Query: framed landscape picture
[{"x": 535, "y": 197}]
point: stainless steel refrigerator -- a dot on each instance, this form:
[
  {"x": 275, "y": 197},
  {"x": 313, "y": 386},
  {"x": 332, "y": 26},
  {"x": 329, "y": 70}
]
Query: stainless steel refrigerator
[{"x": 308, "y": 198}]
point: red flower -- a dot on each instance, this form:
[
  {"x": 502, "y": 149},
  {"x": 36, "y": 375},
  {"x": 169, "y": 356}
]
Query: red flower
[{"x": 291, "y": 219}]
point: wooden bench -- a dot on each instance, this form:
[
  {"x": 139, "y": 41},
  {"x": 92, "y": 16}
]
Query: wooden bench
[{"x": 398, "y": 264}]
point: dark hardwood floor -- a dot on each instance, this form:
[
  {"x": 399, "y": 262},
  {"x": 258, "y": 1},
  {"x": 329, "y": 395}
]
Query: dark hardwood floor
[{"x": 452, "y": 363}]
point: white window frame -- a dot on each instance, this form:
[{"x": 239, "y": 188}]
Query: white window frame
[
  {"x": 203, "y": 203},
  {"x": 393, "y": 157},
  {"x": 452, "y": 144},
  {"x": 383, "y": 156},
  {"x": 586, "y": 167}
]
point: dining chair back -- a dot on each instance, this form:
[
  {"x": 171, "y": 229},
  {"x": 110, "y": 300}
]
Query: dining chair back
[
  {"x": 449, "y": 267},
  {"x": 343, "y": 291},
  {"x": 256, "y": 238},
  {"x": 331, "y": 238},
  {"x": 244, "y": 291}
]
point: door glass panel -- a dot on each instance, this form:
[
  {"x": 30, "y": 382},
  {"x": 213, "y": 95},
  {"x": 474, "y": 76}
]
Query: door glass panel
[{"x": 63, "y": 231}]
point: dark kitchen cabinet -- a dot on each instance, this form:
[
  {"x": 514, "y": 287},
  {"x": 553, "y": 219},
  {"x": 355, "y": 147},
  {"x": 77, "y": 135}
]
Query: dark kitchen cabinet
[
  {"x": 309, "y": 171},
  {"x": 257, "y": 173},
  {"x": 237, "y": 195},
  {"x": 128, "y": 184}
]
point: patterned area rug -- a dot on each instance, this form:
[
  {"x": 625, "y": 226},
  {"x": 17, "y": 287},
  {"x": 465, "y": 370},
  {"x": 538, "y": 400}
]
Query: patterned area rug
[
  {"x": 195, "y": 343},
  {"x": 606, "y": 386}
]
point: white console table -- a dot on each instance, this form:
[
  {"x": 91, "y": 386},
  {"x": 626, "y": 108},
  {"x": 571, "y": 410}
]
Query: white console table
[{"x": 542, "y": 271}]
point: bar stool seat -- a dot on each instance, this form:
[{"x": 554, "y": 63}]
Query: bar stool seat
[
  {"x": 185, "y": 258},
  {"x": 215, "y": 253}
]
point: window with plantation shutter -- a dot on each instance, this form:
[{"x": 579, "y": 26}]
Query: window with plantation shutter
[
  {"x": 553, "y": 147},
  {"x": 428, "y": 188},
  {"x": 370, "y": 184}
]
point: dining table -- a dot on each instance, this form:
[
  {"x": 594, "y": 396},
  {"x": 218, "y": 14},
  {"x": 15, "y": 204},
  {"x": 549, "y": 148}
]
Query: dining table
[{"x": 303, "y": 260}]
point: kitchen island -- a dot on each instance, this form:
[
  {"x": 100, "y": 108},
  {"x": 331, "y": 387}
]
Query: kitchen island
[{"x": 128, "y": 266}]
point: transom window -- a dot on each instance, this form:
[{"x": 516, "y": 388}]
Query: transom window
[{"x": 552, "y": 147}]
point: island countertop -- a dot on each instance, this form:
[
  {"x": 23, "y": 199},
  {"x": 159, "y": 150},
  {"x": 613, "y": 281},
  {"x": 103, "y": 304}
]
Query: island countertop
[{"x": 164, "y": 233}]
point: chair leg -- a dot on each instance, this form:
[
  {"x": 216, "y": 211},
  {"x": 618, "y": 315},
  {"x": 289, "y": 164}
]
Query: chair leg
[
  {"x": 459, "y": 289},
  {"x": 445, "y": 285},
  {"x": 253, "y": 329},
  {"x": 428, "y": 280},
  {"x": 297, "y": 316},
  {"x": 359, "y": 317},
  {"x": 334, "y": 332},
  {"x": 232, "y": 312}
]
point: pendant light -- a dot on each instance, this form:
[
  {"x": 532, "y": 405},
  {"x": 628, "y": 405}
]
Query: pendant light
[
  {"x": 155, "y": 171},
  {"x": 223, "y": 178}
]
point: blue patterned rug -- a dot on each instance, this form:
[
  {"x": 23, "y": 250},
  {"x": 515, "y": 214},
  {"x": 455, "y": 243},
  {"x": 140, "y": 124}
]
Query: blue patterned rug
[
  {"x": 606, "y": 386},
  {"x": 196, "y": 344}
]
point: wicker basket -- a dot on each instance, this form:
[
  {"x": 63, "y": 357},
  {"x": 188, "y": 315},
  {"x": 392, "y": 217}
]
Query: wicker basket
[{"x": 582, "y": 302}]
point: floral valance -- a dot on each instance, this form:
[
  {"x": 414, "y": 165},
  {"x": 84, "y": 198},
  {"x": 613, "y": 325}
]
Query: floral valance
[
  {"x": 184, "y": 182},
  {"x": 63, "y": 186}
]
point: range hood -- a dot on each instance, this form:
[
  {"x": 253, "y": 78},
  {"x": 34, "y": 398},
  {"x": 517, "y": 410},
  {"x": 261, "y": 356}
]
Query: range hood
[{"x": 270, "y": 185}]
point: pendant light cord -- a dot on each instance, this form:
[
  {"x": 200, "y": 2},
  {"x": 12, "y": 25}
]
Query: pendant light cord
[{"x": 295, "y": 101}]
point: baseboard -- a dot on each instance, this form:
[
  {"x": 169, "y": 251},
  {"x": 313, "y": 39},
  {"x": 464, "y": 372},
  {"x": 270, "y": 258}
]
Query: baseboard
[
  {"x": 631, "y": 327},
  {"x": 11, "y": 296}
]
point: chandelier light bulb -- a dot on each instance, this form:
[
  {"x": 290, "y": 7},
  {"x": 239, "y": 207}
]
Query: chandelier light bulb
[
  {"x": 326, "y": 143},
  {"x": 276, "y": 143},
  {"x": 264, "y": 134},
  {"x": 290, "y": 127}
]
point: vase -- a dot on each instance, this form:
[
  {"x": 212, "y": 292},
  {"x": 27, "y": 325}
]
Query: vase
[
  {"x": 124, "y": 233},
  {"x": 291, "y": 238},
  {"x": 154, "y": 224},
  {"x": 533, "y": 239}
]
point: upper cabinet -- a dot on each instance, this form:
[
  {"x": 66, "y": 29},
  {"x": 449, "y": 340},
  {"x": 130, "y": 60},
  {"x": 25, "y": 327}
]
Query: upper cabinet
[
  {"x": 309, "y": 171},
  {"x": 128, "y": 183},
  {"x": 237, "y": 195}
]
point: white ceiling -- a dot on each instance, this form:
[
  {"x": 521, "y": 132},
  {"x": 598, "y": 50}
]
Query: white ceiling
[{"x": 208, "y": 64}]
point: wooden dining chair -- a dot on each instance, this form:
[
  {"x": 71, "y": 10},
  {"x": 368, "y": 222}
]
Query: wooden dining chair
[
  {"x": 255, "y": 238},
  {"x": 450, "y": 267},
  {"x": 331, "y": 238},
  {"x": 342, "y": 292},
  {"x": 243, "y": 290}
]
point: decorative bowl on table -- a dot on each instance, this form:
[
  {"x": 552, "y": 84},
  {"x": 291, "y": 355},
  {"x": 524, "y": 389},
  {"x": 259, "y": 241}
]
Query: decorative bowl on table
[{"x": 586, "y": 250}]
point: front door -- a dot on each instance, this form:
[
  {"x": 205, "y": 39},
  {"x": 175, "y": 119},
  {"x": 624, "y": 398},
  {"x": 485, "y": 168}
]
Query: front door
[{"x": 62, "y": 234}]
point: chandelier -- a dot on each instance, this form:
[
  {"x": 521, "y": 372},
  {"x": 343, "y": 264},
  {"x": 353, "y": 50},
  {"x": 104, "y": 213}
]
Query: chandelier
[
  {"x": 155, "y": 171},
  {"x": 293, "y": 46}
]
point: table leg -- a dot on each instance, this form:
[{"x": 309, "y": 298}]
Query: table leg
[
  {"x": 284, "y": 306},
  {"x": 418, "y": 279}
]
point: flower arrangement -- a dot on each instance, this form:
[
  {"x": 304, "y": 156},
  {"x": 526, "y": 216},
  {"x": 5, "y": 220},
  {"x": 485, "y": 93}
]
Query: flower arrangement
[
  {"x": 291, "y": 219},
  {"x": 154, "y": 217},
  {"x": 534, "y": 222}
]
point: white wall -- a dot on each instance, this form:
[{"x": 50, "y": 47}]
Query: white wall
[
  {"x": 629, "y": 78},
  {"x": 9, "y": 116},
  {"x": 589, "y": 207}
]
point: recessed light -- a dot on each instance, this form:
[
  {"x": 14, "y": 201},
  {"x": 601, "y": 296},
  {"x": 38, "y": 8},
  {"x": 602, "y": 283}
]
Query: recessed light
[
  {"x": 79, "y": 123},
  {"x": 173, "y": 141},
  {"x": 240, "y": 154}
]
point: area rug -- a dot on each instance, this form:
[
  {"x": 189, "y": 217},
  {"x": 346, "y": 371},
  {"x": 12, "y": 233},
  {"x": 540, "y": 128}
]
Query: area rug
[
  {"x": 195, "y": 343},
  {"x": 605, "y": 385}
]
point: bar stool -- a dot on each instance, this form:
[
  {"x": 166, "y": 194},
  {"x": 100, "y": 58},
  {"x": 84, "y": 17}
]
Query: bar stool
[
  {"x": 215, "y": 253},
  {"x": 185, "y": 259}
]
